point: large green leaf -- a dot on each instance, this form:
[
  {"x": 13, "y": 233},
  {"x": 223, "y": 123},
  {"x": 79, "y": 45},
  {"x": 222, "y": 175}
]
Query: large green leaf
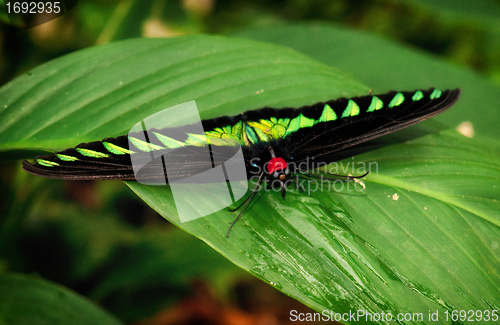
[
  {"x": 432, "y": 246},
  {"x": 103, "y": 91},
  {"x": 422, "y": 236},
  {"x": 26, "y": 300}
]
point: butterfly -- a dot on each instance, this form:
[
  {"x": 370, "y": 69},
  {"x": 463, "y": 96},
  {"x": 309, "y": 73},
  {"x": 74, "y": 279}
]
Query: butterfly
[{"x": 276, "y": 143}]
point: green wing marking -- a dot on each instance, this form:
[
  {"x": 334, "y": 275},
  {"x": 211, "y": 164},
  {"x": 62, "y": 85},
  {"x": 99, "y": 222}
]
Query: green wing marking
[
  {"x": 436, "y": 94},
  {"x": 144, "y": 146},
  {"x": 375, "y": 104},
  {"x": 250, "y": 136},
  {"x": 417, "y": 96},
  {"x": 352, "y": 109},
  {"x": 227, "y": 135},
  {"x": 197, "y": 140},
  {"x": 398, "y": 99},
  {"x": 117, "y": 150},
  {"x": 298, "y": 123},
  {"x": 272, "y": 128},
  {"x": 66, "y": 157},
  {"x": 168, "y": 142},
  {"x": 91, "y": 153},
  {"x": 46, "y": 163},
  {"x": 327, "y": 115}
]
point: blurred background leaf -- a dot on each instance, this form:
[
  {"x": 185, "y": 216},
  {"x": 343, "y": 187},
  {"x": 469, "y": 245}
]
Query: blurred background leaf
[{"x": 27, "y": 300}]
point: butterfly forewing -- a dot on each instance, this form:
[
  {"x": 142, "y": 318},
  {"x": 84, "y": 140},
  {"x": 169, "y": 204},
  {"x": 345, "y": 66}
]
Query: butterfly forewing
[{"x": 367, "y": 118}]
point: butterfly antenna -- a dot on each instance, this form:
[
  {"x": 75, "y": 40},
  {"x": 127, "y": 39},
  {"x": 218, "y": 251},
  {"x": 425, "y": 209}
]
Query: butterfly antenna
[
  {"x": 348, "y": 177},
  {"x": 244, "y": 204}
]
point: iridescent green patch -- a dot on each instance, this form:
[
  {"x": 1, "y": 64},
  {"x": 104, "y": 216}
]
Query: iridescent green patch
[
  {"x": 328, "y": 114},
  {"x": 436, "y": 94},
  {"x": 250, "y": 136},
  {"x": 352, "y": 109},
  {"x": 226, "y": 142},
  {"x": 91, "y": 153},
  {"x": 197, "y": 140},
  {"x": 117, "y": 150},
  {"x": 46, "y": 163},
  {"x": 261, "y": 134},
  {"x": 66, "y": 157},
  {"x": 168, "y": 142},
  {"x": 398, "y": 99},
  {"x": 223, "y": 137},
  {"x": 144, "y": 146},
  {"x": 299, "y": 122},
  {"x": 279, "y": 128},
  {"x": 375, "y": 104},
  {"x": 304, "y": 122},
  {"x": 231, "y": 133},
  {"x": 216, "y": 133},
  {"x": 237, "y": 131},
  {"x": 272, "y": 128},
  {"x": 417, "y": 96},
  {"x": 228, "y": 129},
  {"x": 263, "y": 125}
]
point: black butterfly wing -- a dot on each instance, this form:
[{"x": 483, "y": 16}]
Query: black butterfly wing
[
  {"x": 310, "y": 131},
  {"x": 324, "y": 140},
  {"x": 86, "y": 161},
  {"x": 112, "y": 158}
]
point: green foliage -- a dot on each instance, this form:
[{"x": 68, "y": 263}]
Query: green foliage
[
  {"x": 95, "y": 93},
  {"x": 84, "y": 243},
  {"x": 421, "y": 231},
  {"x": 422, "y": 236},
  {"x": 27, "y": 300},
  {"x": 375, "y": 251}
]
